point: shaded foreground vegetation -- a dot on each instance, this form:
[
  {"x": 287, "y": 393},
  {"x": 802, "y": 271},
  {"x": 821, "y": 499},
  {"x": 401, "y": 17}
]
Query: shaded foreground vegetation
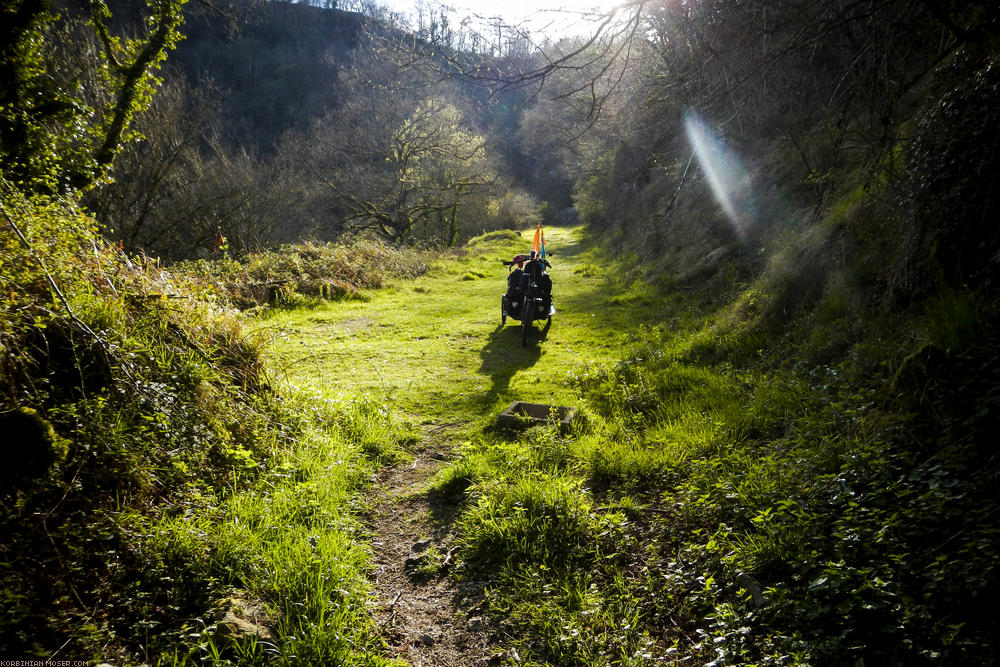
[
  {"x": 738, "y": 500},
  {"x": 796, "y": 466}
]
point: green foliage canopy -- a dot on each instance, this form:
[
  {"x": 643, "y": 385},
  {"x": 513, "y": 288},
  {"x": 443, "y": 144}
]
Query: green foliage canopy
[{"x": 58, "y": 132}]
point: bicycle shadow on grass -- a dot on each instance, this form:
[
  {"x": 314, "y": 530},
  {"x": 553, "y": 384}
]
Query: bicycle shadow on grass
[{"x": 503, "y": 356}]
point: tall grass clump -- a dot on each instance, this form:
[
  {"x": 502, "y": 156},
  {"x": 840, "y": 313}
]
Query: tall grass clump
[
  {"x": 551, "y": 556},
  {"x": 307, "y": 270},
  {"x": 537, "y": 518},
  {"x": 159, "y": 481}
]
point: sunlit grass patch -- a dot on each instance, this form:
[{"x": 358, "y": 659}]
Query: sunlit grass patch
[
  {"x": 454, "y": 480},
  {"x": 435, "y": 346},
  {"x": 616, "y": 467},
  {"x": 537, "y": 518},
  {"x": 488, "y": 456},
  {"x": 290, "y": 541},
  {"x": 372, "y": 426},
  {"x": 491, "y": 238},
  {"x": 631, "y": 294},
  {"x": 659, "y": 390},
  {"x": 588, "y": 270}
]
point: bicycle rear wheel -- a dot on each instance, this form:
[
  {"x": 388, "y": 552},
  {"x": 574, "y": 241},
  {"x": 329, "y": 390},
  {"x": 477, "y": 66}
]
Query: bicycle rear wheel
[{"x": 526, "y": 313}]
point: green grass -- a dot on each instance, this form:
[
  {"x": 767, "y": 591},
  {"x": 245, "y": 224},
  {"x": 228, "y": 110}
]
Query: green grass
[
  {"x": 736, "y": 496},
  {"x": 619, "y": 541},
  {"x": 434, "y": 348},
  {"x": 286, "y": 538}
]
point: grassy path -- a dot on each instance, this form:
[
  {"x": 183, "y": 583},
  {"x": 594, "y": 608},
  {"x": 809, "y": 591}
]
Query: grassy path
[{"x": 434, "y": 351}]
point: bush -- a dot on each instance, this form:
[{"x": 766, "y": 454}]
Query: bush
[{"x": 313, "y": 270}]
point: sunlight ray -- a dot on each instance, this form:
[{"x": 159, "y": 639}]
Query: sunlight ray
[{"x": 728, "y": 178}]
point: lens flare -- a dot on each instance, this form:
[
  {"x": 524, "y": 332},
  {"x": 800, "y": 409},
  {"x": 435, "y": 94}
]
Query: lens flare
[{"x": 729, "y": 180}]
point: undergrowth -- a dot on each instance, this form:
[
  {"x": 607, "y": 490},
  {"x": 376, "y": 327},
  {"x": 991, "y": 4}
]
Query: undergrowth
[
  {"x": 158, "y": 480},
  {"x": 305, "y": 272},
  {"x": 752, "y": 492}
]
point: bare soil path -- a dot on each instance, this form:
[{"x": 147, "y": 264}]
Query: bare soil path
[{"x": 426, "y": 618}]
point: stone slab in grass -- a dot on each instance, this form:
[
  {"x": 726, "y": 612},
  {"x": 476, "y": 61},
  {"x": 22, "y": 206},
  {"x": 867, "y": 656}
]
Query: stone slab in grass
[{"x": 522, "y": 415}]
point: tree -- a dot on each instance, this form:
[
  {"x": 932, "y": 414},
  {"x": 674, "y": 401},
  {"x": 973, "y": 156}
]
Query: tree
[
  {"x": 399, "y": 154},
  {"x": 417, "y": 176},
  {"x": 55, "y": 134},
  {"x": 141, "y": 205}
]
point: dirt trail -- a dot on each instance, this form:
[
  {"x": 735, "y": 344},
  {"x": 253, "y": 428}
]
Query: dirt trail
[{"x": 425, "y": 617}]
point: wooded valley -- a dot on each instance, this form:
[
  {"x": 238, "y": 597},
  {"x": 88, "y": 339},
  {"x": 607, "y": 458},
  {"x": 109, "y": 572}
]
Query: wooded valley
[{"x": 252, "y": 359}]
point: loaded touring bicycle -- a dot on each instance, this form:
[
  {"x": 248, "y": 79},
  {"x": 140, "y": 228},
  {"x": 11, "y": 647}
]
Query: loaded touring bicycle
[{"x": 529, "y": 293}]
